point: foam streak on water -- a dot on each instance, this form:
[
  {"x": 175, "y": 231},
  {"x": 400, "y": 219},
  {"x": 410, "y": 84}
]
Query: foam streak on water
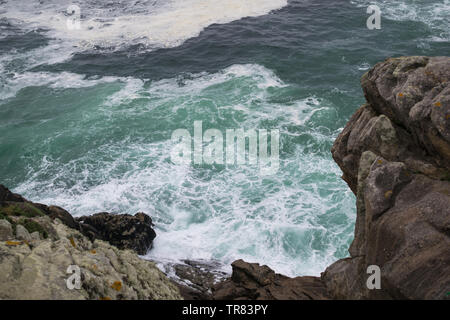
[{"x": 151, "y": 22}]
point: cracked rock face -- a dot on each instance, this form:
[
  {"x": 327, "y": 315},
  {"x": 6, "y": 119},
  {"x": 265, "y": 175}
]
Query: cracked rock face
[{"x": 395, "y": 156}]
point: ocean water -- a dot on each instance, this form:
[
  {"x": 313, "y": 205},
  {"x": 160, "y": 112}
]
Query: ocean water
[{"x": 86, "y": 115}]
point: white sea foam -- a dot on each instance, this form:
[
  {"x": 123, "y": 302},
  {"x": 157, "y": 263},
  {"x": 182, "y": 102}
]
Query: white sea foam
[
  {"x": 111, "y": 26},
  {"x": 153, "y": 23},
  {"x": 53, "y": 80}
]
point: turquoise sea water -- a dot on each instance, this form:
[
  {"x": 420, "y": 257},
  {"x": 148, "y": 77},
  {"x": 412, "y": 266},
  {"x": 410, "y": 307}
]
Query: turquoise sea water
[{"x": 86, "y": 116}]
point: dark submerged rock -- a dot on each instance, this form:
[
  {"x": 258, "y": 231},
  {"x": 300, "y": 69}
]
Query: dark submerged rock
[
  {"x": 123, "y": 231},
  {"x": 7, "y": 195}
]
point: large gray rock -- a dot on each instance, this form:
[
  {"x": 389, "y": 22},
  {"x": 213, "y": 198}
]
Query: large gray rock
[
  {"x": 22, "y": 233},
  {"x": 34, "y": 266},
  {"x": 395, "y": 156},
  {"x": 414, "y": 93},
  {"x": 123, "y": 231},
  {"x": 250, "y": 281},
  {"x": 39, "y": 270},
  {"x": 6, "y": 231}
]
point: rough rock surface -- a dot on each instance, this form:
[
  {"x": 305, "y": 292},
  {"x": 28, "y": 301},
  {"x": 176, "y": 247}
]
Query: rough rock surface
[
  {"x": 37, "y": 269},
  {"x": 6, "y": 195},
  {"x": 39, "y": 243},
  {"x": 395, "y": 156},
  {"x": 255, "y": 282},
  {"x": 6, "y": 230},
  {"x": 123, "y": 231},
  {"x": 195, "y": 279}
]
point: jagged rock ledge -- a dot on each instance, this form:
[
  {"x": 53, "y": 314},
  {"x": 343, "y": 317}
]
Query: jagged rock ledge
[
  {"x": 254, "y": 282},
  {"x": 38, "y": 243},
  {"x": 395, "y": 156}
]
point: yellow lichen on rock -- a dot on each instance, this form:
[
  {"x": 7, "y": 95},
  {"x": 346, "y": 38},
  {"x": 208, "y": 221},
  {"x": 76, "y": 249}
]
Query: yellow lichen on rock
[
  {"x": 72, "y": 242},
  {"x": 117, "y": 285},
  {"x": 105, "y": 298},
  {"x": 110, "y": 273},
  {"x": 388, "y": 194},
  {"x": 13, "y": 243}
]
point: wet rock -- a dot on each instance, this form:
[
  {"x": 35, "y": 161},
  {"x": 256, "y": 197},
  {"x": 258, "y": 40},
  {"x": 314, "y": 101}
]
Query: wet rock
[
  {"x": 55, "y": 212},
  {"x": 123, "y": 231},
  {"x": 6, "y": 195},
  {"x": 250, "y": 281},
  {"x": 195, "y": 278}
]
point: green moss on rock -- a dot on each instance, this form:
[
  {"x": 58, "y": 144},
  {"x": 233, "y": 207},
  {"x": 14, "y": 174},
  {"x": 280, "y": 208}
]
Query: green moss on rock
[
  {"x": 21, "y": 210},
  {"x": 446, "y": 176},
  {"x": 11, "y": 221},
  {"x": 33, "y": 226}
]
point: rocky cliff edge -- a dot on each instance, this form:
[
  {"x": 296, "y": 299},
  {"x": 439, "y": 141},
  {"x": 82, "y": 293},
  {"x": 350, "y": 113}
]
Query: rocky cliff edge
[
  {"x": 42, "y": 249},
  {"x": 395, "y": 156}
]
